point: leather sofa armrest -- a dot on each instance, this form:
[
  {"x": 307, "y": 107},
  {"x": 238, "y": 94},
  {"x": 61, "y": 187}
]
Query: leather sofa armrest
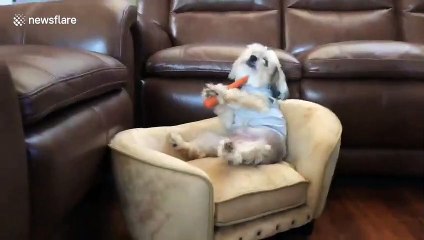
[
  {"x": 314, "y": 135},
  {"x": 106, "y": 27},
  {"x": 14, "y": 199},
  {"x": 152, "y": 29},
  {"x": 151, "y": 38},
  {"x": 101, "y": 26}
]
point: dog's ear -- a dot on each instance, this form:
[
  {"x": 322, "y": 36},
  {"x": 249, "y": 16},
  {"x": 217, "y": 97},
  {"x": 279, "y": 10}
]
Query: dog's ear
[
  {"x": 279, "y": 84},
  {"x": 234, "y": 68},
  {"x": 232, "y": 74}
]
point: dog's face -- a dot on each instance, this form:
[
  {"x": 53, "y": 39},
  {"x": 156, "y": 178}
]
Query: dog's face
[{"x": 263, "y": 68}]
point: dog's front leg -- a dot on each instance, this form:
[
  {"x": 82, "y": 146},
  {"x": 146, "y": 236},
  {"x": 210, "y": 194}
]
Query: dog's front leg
[
  {"x": 215, "y": 90},
  {"x": 235, "y": 97},
  {"x": 225, "y": 115}
]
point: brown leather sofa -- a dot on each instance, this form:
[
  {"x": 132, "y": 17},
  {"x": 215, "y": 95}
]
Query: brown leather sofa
[
  {"x": 62, "y": 98},
  {"x": 362, "y": 59}
]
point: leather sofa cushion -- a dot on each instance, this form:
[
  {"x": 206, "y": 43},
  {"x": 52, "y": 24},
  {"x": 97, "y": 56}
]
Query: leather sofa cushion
[
  {"x": 197, "y": 60},
  {"x": 365, "y": 59},
  {"x": 244, "y": 193},
  {"x": 48, "y": 78}
]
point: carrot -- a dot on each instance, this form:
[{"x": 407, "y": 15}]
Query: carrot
[{"x": 211, "y": 102}]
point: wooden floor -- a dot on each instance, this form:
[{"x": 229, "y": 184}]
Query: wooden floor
[{"x": 372, "y": 209}]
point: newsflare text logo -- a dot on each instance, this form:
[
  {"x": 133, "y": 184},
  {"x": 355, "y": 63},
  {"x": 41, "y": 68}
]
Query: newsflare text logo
[{"x": 20, "y": 19}]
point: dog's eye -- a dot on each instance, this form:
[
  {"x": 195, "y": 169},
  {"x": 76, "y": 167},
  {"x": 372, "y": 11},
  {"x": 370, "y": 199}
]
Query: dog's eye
[{"x": 266, "y": 62}]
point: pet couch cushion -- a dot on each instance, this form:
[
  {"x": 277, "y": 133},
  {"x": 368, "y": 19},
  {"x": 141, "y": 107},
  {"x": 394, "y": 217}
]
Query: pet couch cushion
[
  {"x": 198, "y": 60},
  {"x": 243, "y": 193},
  {"x": 365, "y": 59},
  {"x": 47, "y": 78}
]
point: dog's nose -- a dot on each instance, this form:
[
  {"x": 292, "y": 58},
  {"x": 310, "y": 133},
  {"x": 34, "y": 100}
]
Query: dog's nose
[{"x": 253, "y": 58}]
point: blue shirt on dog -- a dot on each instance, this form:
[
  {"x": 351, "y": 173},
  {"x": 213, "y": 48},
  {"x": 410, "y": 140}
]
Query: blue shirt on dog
[{"x": 273, "y": 118}]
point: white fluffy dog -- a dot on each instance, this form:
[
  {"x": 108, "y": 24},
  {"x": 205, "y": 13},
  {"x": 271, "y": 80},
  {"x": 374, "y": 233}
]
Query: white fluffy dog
[{"x": 255, "y": 126}]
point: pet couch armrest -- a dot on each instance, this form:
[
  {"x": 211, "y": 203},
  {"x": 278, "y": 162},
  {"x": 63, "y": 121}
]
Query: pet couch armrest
[
  {"x": 161, "y": 195},
  {"x": 157, "y": 138},
  {"x": 314, "y": 134}
]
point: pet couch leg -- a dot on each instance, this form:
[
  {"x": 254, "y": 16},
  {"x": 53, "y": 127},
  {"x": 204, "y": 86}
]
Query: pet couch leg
[
  {"x": 307, "y": 229},
  {"x": 302, "y": 232}
]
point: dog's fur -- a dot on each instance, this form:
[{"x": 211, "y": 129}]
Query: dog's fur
[{"x": 243, "y": 145}]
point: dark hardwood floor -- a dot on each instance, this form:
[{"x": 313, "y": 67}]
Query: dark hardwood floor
[
  {"x": 371, "y": 209},
  {"x": 357, "y": 209}
]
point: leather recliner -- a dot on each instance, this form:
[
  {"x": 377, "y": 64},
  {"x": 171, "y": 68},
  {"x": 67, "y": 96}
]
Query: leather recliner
[
  {"x": 63, "y": 96},
  {"x": 362, "y": 59}
]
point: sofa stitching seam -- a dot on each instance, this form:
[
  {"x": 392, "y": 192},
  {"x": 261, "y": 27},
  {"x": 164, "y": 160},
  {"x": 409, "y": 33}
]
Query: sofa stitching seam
[
  {"x": 229, "y": 223},
  {"x": 64, "y": 80},
  {"x": 211, "y": 60},
  {"x": 368, "y": 59},
  {"x": 68, "y": 100},
  {"x": 305, "y": 181}
]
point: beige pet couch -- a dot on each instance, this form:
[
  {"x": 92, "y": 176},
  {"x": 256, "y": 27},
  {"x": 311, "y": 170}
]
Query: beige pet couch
[{"x": 166, "y": 197}]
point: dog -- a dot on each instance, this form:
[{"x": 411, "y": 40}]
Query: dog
[{"x": 256, "y": 130}]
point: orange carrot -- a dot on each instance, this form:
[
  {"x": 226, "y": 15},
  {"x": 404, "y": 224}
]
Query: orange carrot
[{"x": 211, "y": 102}]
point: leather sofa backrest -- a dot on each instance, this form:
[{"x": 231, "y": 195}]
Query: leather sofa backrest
[
  {"x": 156, "y": 11},
  {"x": 412, "y": 20},
  {"x": 294, "y": 25},
  {"x": 226, "y": 21},
  {"x": 309, "y": 23}
]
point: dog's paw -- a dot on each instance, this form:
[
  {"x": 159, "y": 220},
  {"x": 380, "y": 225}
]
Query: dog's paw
[
  {"x": 219, "y": 88},
  {"x": 219, "y": 91},
  {"x": 207, "y": 93},
  {"x": 228, "y": 146},
  {"x": 234, "y": 159},
  {"x": 175, "y": 140},
  {"x": 195, "y": 153},
  {"x": 262, "y": 153},
  {"x": 227, "y": 150}
]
